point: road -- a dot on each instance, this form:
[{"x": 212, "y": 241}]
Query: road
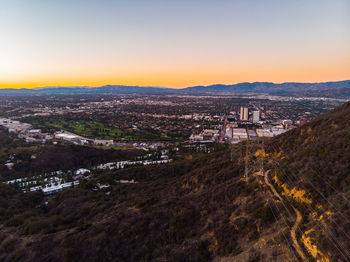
[{"x": 298, "y": 219}]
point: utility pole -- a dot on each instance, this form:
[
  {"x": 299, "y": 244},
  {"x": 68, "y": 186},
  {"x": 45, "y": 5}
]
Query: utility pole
[
  {"x": 262, "y": 157},
  {"x": 231, "y": 151}
]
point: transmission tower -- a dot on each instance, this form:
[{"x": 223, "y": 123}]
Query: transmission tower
[
  {"x": 246, "y": 169},
  {"x": 262, "y": 171}
]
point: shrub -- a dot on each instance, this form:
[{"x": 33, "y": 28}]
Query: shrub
[
  {"x": 182, "y": 221},
  {"x": 203, "y": 253},
  {"x": 264, "y": 213},
  {"x": 227, "y": 243},
  {"x": 9, "y": 245},
  {"x": 147, "y": 203},
  {"x": 15, "y": 221},
  {"x": 34, "y": 227},
  {"x": 69, "y": 254}
]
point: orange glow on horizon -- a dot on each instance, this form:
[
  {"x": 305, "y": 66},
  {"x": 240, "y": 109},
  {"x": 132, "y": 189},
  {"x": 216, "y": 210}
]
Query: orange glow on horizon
[
  {"x": 155, "y": 83},
  {"x": 175, "y": 81},
  {"x": 180, "y": 75}
]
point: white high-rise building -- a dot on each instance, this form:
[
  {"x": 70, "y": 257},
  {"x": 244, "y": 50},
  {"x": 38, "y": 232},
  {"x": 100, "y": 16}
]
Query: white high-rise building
[
  {"x": 244, "y": 114},
  {"x": 256, "y": 116}
]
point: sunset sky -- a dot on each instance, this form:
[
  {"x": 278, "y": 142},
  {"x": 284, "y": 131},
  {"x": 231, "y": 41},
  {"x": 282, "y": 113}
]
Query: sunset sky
[{"x": 172, "y": 43}]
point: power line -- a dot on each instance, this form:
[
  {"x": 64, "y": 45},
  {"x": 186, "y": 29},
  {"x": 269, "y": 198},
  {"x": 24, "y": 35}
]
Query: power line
[
  {"x": 333, "y": 240},
  {"x": 288, "y": 244},
  {"x": 297, "y": 246}
]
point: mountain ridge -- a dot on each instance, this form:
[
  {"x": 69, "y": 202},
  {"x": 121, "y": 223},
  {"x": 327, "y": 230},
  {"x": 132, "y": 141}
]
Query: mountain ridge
[
  {"x": 270, "y": 86},
  {"x": 286, "y": 88}
]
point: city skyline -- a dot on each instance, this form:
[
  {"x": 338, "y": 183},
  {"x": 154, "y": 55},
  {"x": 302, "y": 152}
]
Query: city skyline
[{"x": 158, "y": 43}]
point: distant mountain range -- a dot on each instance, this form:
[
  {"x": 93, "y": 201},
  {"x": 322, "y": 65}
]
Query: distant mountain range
[
  {"x": 107, "y": 89},
  {"x": 328, "y": 89},
  {"x": 268, "y": 87}
]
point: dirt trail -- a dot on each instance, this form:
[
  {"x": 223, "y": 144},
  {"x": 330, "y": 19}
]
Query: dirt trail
[{"x": 297, "y": 221}]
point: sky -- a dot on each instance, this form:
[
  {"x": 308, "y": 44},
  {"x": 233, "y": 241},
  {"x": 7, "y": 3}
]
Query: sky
[{"x": 172, "y": 43}]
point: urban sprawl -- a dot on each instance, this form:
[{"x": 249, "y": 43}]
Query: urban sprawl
[{"x": 155, "y": 124}]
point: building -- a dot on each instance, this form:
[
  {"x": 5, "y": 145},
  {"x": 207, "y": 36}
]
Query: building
[
  {"x": 264, "y": 132},
  {"x": 9, "y": 165},
  {"x": 256, "y": 116},
  {"x": 72, "y": 138},
  {"x": 252, "y": 134},
  {"x": 229, "y": 132},
  {"x": 244, "y": 114},
  {"x": 287, "y": 122},
  {"x": 196, "y": 137},
  {"x": 277, "y": 132},
  {"x": 66, "y": 136},
  {"x": 101, "y": 142},
  {"x": 209, "y": 134},
  {"x": 55, "y": 189},
  {"x": 82, "y": 171},
  {"x": 302, "y": 121},
  {"x": 239, "y": 134},
  {"x": 14, "y": 126}
]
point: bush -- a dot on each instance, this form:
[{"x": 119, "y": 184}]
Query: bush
[
  {"x": 147, "y": 203},
  {"x": 203, "y": 253},
  {"x": 227, "y": 243},
  {"x": 281, "y": 175},
  {"x": 264, "y": 213},
  {"x": 69, "y": 254},
  {"x": 82, "y": 227},
  {"x": 9, "y": 245},
  {"x": 182, "y": 221},
  {"x": 34, "y": 227},
  {"x": 15, "y": 221}
]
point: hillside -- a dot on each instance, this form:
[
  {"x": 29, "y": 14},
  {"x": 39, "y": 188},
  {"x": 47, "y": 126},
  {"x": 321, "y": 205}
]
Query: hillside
[
  {"x": 199, "y": 208},
  {"x": 191, "y": 210},
  {"x": 314, "y": 175}
]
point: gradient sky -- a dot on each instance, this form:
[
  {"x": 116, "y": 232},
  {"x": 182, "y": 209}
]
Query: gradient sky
[{"x": 172, "y": 43}]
